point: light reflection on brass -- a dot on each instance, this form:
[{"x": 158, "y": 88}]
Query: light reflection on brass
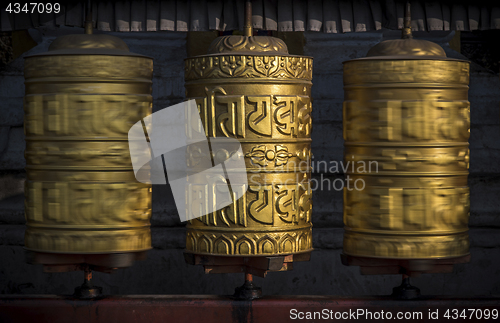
[
  {"x": 406, "y": 109},
  {"x": 82, "y": 97},
  {"x": 251, "y": 89}
]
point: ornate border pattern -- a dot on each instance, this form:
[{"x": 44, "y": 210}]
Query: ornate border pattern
[{"x": 231, "y": 66}]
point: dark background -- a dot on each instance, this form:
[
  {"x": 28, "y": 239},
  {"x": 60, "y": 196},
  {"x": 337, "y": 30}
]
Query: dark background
[{"x": 164, "y": 271}]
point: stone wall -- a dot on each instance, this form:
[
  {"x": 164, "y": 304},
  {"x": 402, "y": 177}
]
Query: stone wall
[{"x": 165, "y": 272}]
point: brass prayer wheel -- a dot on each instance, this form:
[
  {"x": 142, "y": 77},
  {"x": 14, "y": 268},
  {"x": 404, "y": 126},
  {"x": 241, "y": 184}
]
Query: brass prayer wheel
[
  {"x": 406, "y": 129},
  {"x": 249, "y": 88},
  {"x": 81, "y": 196}
]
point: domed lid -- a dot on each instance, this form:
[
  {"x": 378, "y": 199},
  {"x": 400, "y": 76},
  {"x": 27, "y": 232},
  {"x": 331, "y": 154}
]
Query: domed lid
[
  {"x": 243, "y": 45},
  {"x": 247, "y": 44},
  {"x": 406, "y": 47},
  {"x": 88, "y": 44}
]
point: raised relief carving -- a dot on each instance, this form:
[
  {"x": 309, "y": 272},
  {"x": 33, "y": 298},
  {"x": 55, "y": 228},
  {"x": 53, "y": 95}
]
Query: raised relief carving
[
  {"x": 81, "y": 194},
  {"x": 239, "y": 116},
  {"x": 304, "y": 117},
  {"x": 257, "y": 243},
  {"x": 267, "y": 65},
  {"x": 287, "y": 203},
  {"x": 97, "y": 241},
  {"x": 231, "y": 66},
  {"x": 367, "y": 245},
  {"x": 284, "y": 115},
  {"x": 87, "y": 203},
  {"x": 305, "y": 202},
  {"x": 110, "y": 67},
  {"x": 273, "y": 125},
  {"x": 262, "y": 156},
  {"x": 83, "y": 115},
  {"x": 259, "y": 155},
  {"x": 424, "y": 159},
  {"x": 238, "y": 43},
  {"x": 291, "y": 203},
  {"x": 236, "y": 212},
  {"x": 399, "y": 120},
  {"x": 262, "y": 208},
  {"x": 230, "y": 122},
  {"x": 260, "y": 119},
  {"x": 410, "y": 209}
]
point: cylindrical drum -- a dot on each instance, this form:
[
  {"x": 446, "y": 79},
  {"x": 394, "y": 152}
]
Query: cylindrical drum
[
  {"x": 252, "y": 90},
  {"x": 81, "y": 196},
  {"x": 406, "y": 127}
]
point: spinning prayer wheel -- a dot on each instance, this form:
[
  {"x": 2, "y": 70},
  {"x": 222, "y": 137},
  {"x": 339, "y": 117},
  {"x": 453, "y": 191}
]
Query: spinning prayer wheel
[
  {"x": 83, "y": 203},
  {"x": 249, "y": 88},
  {"x": 406, "y": 130}
]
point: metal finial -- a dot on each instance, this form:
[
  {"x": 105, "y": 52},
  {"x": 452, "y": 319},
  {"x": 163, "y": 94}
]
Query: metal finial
[
  {"x": 248, "y": 19},
  {"x": 406, "y": 33},
  {"x": 88, "y": 18}
]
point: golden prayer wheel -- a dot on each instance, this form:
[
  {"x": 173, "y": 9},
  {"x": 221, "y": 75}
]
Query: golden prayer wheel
[
  {"x": 81, "y": 196},
  {"x": 406, "y": 129},
  {"x": 249, "y": 88}
]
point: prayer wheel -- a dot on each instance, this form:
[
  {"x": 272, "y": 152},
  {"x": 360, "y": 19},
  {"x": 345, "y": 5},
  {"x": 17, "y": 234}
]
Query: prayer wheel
[
  {"x": 406, "y": 129},
  {"x": 81, "y": 196},
  {"x": 249, "y": 88}
]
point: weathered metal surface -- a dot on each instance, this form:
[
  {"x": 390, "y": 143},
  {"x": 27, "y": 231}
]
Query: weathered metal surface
[
  {"x": 259, "y": 265},
  {"x": 192, "y": 308},
  {"x": 249, "y": 88},
  {"x": 406, "y": 127},
  {"x": 60, "y": 262},
  {"x": 82, "y": 96},
  {"x": 410, "y": 267}
]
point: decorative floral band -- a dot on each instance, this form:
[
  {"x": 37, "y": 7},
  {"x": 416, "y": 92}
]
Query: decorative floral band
[{"x": 247, "y": 66}]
